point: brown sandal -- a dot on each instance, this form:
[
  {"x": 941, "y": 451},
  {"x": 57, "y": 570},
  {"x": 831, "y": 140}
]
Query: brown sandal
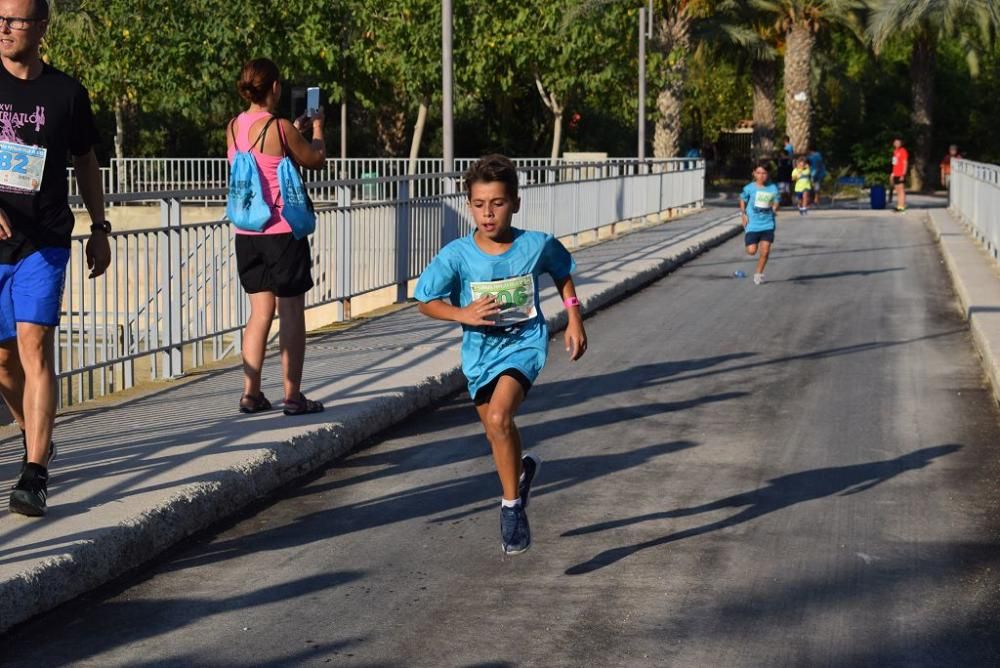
[
  {"x": 302, "y": 406},
  {"x": 258, "y": 403}
]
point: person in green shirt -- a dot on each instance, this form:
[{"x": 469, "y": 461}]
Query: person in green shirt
[{"x": 802, "y": 177}]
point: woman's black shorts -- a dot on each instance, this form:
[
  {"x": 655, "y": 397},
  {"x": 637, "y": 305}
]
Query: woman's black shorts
[{"x": 277, "y": 263}]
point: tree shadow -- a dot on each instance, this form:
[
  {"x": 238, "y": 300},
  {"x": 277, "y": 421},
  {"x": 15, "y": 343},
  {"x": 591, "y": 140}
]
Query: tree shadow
[
  {"x": 423, "y": 501},
  {"x": 788, "y": 251},
  {"x": 780, "y": 493},
  {"x": 562, "y": 474},
  {"x": 863, "y": 591},
  {"x": 170, "y": 615},
  {"x": 806, "y": 278}
]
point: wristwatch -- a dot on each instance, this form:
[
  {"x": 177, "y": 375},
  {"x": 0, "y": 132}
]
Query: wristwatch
[{"x": 103, "y": 226}]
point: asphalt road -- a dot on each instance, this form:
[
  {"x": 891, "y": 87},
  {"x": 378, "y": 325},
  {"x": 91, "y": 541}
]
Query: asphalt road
[{"x": 803, "y": 473}]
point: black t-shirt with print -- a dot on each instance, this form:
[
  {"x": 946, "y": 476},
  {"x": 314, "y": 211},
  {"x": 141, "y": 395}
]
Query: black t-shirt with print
[{"x": 51, "y": 111}]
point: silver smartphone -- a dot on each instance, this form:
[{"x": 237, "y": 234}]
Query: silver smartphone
[{"x": 312, "y": 101}]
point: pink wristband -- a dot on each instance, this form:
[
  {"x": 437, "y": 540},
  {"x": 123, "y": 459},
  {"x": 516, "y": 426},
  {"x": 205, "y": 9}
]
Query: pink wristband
[{"x": 571, "y": 302}]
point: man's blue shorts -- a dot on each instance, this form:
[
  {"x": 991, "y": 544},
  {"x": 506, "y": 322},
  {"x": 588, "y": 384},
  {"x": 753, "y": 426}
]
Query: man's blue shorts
[
  {"x": 754, "y": 238},
  {"x": 31, "y": 290}
]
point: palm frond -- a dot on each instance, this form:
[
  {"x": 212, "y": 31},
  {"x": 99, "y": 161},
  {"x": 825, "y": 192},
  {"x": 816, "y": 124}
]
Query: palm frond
[{"x": 949, "y": 17}]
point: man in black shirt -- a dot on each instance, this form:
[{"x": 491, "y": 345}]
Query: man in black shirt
[{"x": 45, "y": 116}]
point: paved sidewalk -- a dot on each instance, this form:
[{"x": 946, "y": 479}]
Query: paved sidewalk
[
  {"x": 976, "y": 276},
  {"x": 135, "y": 477}
]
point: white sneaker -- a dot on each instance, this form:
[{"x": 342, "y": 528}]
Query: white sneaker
[{"x": 758, "y": 279}]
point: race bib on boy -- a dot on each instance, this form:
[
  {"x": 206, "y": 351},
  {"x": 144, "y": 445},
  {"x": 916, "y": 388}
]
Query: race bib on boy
[
  {"x": 762, "y": 199},
  {"x": 21, "y": 166},
  {"x": 515, "y": 296}
]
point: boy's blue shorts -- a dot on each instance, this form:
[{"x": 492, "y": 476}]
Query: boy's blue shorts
[
  {"x": 31, "y": 290},
  {"x": 754, "y": 238}
]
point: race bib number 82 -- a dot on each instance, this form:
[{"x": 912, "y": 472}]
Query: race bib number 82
[{"x": 21, "y": 167}]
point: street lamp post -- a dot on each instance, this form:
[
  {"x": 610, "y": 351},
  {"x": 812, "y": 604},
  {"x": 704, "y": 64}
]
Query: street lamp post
[
  {"x": 641, "y": 153},
  {"x": 446, "y": 87}
]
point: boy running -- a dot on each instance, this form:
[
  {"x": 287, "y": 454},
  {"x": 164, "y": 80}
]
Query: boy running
[
  {"x": 488, "y": 282},
  {"x": 802, "y": 176},
  {"x": 758, "y": 206}
]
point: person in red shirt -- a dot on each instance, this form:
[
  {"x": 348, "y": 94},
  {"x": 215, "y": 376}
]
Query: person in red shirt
[
  {"x": 946, "y": 165},
  {"x": 900, "y": 163}
]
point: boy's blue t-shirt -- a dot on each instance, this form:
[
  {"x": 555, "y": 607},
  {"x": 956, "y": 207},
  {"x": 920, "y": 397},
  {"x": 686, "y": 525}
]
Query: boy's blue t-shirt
[
  {"x": 760, "y": 215},
  {"x": 462, "y": 272}
]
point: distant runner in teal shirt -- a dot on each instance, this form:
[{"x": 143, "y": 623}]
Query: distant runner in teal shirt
[
  {"x": 758, "y": 208},
  {"x": 488, "y": 282}
]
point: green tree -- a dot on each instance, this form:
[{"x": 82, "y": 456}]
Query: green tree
[
  {"x": 98, "y": 42},
  {"x": 183, "y": 57},
  {"x": 563, "y": 50},
  {"x": 397, "y": 45},
  {"x": 716, "y": 96},
  {"x": 973, "y": 23}
]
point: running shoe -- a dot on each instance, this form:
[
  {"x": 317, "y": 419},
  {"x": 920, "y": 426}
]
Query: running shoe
[
  {"x": 758, "y": 279},
  {"x": 30, "y": 493},
  {"x": 900, "y": 209},
  {"x": 529, "y": 469},
  {"x": 515, "y": 534},
  {"x": 24, "y": 455}
]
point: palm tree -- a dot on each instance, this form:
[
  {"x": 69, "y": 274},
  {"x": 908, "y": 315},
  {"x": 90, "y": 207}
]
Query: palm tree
[
  {"x": 799, "y": 21},
  {"x": 759, "y": 55},
  {"x": 672, "y": 30},
  {"x": 680, "y": 25},
  {"x": 764, "y": 82},
  {"x": 927, "y": 22}
]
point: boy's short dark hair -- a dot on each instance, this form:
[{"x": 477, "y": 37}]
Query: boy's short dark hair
[
  {"x": 762, "y": 164},
  {"x": 490, "y": 169}
]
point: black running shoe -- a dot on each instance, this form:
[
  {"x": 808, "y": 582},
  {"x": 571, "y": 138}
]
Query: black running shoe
[
  {"x": 30, "y": 493},
  {"x": 24, "y": 455},
  {"x": 515, "y": 534},
  {"x": 529, "y": 469}
]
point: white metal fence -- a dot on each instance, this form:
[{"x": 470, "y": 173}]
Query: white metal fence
[
  {"x": 974, "y": 197},
  {"x": 150, "y": 175},
  {"x": 171, "y": 297}
]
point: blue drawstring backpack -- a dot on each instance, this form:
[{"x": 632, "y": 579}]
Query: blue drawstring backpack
[
  {"x": 245, "y": 205},
  {"x": 296, "y": 206}
]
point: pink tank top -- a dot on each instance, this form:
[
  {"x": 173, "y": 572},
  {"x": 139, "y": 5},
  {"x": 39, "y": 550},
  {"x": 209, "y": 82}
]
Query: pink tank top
[{"x": 268, "y": 166}]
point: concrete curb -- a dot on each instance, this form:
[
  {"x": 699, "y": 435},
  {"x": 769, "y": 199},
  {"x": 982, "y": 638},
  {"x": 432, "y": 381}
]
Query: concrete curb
[
  {"x": 90, "y": 564},
  {"x": 977, "y": 283}
]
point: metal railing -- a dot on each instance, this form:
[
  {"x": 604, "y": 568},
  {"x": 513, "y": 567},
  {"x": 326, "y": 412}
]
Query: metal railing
[
  {"x": 974, "y": 196},
  {"x": 171, "y": 297},
  {"x": 107, "y": 180},
  {"x": 149, "y": 175}
]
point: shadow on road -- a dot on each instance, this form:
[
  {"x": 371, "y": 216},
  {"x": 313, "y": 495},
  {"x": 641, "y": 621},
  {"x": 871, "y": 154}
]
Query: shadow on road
[
  {"x": 780, "y": 493},
  {"x": 171, "y": 615},
  {"x": 422, "y": 501},
  {"x": 907, "y": 573},
  {"x": 806, "y": 278}
]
